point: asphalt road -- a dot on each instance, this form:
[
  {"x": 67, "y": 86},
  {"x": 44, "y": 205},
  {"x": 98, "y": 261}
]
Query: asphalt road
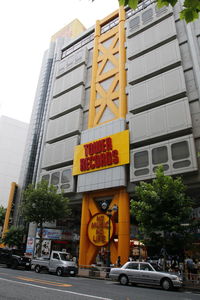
[{"x": 28, "y": 285}]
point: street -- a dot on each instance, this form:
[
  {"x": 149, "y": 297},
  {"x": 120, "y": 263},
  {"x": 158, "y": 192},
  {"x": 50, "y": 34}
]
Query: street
[{"x": 24, "y": 285}]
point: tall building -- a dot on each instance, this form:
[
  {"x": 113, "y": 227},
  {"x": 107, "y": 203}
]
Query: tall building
[
  {"x": 13, "y": 137},
  {"x": 123, "y": 98},
  {"x": 43, "y": 94}
]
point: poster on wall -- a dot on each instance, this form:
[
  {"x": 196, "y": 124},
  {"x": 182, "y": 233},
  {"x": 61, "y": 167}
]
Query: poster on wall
[
  {"x": 30, "y": 246},
  {"x": 46, "y": 248}
]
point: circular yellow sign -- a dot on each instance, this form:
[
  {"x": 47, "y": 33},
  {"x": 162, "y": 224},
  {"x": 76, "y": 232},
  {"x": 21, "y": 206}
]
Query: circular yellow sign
[{"x": 98, "y": 230}]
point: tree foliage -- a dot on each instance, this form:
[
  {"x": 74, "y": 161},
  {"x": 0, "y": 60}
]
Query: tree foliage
[
  {"x": 43, "y": 204},
  {"x": 2, "y": 215},
  {"x": 190, "y": 12},
  {"x": 161, "y": 210},
  {"x": 14, "y": 237}
]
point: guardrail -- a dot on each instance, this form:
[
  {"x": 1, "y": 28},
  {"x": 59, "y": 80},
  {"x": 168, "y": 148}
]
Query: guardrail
[{"x": 93, "y": 271}]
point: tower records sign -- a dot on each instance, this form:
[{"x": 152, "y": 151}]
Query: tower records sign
[{"x": 107, "y": 152}]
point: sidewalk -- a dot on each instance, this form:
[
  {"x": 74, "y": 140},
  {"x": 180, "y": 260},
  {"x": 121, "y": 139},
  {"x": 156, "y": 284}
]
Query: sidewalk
[{"x": 191, "y": 285}]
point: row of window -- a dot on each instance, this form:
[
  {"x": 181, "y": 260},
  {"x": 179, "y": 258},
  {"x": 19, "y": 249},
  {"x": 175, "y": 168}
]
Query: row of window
[
  {"x": 64, "y": 178},
  {"x": 179, "y": 151},
  {"x": 177, "y": 155},
  {"x": 78, "y": 45},
  {"x": 146, "y": 17}
]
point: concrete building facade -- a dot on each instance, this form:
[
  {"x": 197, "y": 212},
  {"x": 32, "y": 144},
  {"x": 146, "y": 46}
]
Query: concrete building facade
[
  {"x": 136, "y": 72},
  {"x": 13, "y": 135}
]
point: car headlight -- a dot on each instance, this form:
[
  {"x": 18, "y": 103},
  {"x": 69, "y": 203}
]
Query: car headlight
[{"x": 175, "y": 277}]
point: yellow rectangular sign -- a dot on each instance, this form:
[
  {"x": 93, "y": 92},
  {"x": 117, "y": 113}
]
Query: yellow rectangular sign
[{"x": 108, "y": 152}]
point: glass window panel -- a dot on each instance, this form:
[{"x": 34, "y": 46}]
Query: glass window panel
[
  {"x": 55, "y": 178},
  {"x": 65, "y": 186},
  {"x": 141, "y": 159},
  {"x": 133, "y": 266},
  {"x": 45, "y": 177},
  {"x": 147, "y": 16},
  {"x": 66, "y": 176},
  {"x": 180, "y": 150},
  {"x": 145, "y": 267},
  {"x": 134, "y": 23},
  {"x": 182, "y": 164},
  {"x": 159, "y": 155},
  {"x": 141, "y": 172}
]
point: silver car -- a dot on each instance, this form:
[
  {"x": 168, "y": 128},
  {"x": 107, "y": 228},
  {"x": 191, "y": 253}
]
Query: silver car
[{"x": 144, "y": 273}]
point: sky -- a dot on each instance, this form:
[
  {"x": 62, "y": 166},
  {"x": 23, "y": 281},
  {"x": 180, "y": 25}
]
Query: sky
[{"x": 26, "y": 27}]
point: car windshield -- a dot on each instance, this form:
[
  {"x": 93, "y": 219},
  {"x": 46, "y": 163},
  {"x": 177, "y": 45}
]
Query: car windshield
[{"x": 64, "y": 256}]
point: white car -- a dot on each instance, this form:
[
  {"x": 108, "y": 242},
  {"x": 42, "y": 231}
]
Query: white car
[{"x": 144, "y": 273}]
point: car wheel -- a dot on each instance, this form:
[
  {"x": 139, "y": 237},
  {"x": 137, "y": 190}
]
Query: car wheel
[
  {"x": 37, "y": 269},
  {"x": 123, "y": 280},
  {"x": 59, "y": 272},
  {"x": 166, "y": 284},
  {"x": 14, "y": 264}
]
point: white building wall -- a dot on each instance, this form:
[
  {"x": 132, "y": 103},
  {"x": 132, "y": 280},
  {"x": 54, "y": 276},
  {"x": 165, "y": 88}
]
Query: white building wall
[{"x": 13, "y": 136}]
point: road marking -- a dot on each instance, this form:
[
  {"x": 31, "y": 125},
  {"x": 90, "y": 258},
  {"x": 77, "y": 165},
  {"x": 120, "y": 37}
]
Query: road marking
[
  {"x": 43, "y": 281},
  {"x": 57, "y": 290}
]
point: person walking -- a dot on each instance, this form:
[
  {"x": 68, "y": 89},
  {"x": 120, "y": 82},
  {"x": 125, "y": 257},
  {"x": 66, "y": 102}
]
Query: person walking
[{"x": 119, "y": 261}]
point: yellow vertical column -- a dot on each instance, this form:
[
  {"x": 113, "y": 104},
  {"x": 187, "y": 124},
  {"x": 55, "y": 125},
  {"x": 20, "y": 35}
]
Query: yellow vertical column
[
  {"x": 94, "y": 73},
  {"x": 8, "y": 211},
  {"x": 123, "y": 226},
  {"x": 84, "y": 242},
  {"x": 122, "y": 61}
]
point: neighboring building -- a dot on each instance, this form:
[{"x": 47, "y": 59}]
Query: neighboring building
[
  {"x": 121, "y": 99},
  {"x": 13, "y": 135},
  {"x": 43, "y": 94}
]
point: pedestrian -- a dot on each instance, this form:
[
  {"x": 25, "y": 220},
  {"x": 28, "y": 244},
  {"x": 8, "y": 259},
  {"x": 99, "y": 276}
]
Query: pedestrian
[
  {"x": 189, "y": 266},
  {"x": 194, "y": 271},
  {"x": 118, "y": 261}
]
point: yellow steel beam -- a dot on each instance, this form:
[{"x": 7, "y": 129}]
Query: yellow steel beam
[{"x": 8, "y": 211}]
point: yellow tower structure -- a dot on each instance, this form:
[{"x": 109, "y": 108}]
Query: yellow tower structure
[{"x": 108, "y": 85}]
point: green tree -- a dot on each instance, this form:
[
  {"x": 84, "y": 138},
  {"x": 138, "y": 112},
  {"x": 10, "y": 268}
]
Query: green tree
[
  {"x": 14, "y": 237},
  {"x": 43, "y": 204},
  {"x": 2, "y": 215},
  {"x": 161, "y": 209}
]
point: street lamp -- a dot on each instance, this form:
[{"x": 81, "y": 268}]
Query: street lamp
[{"x": 109, "y": 214}]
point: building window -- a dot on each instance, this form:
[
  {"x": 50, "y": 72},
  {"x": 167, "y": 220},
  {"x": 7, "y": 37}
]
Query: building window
[
  {"x": 159, "y": 155},
  {"x": 182, "y": 164},
  {"x": 46, "y": 177},
  {"x": 66, "y": 176},
  {"x": 141, "y": 172},
  {"x": 134, "y": 23},
  {"x": 147, "y": 16},
  {"x": 141, "y": 159},
  {"x": 180, "y": 150},
  {"x": 55, "y": 178}
]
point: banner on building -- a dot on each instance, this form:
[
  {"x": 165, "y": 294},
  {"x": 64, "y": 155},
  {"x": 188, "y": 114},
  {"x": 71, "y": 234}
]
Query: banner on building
[{"x": 108, "y": 152}]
